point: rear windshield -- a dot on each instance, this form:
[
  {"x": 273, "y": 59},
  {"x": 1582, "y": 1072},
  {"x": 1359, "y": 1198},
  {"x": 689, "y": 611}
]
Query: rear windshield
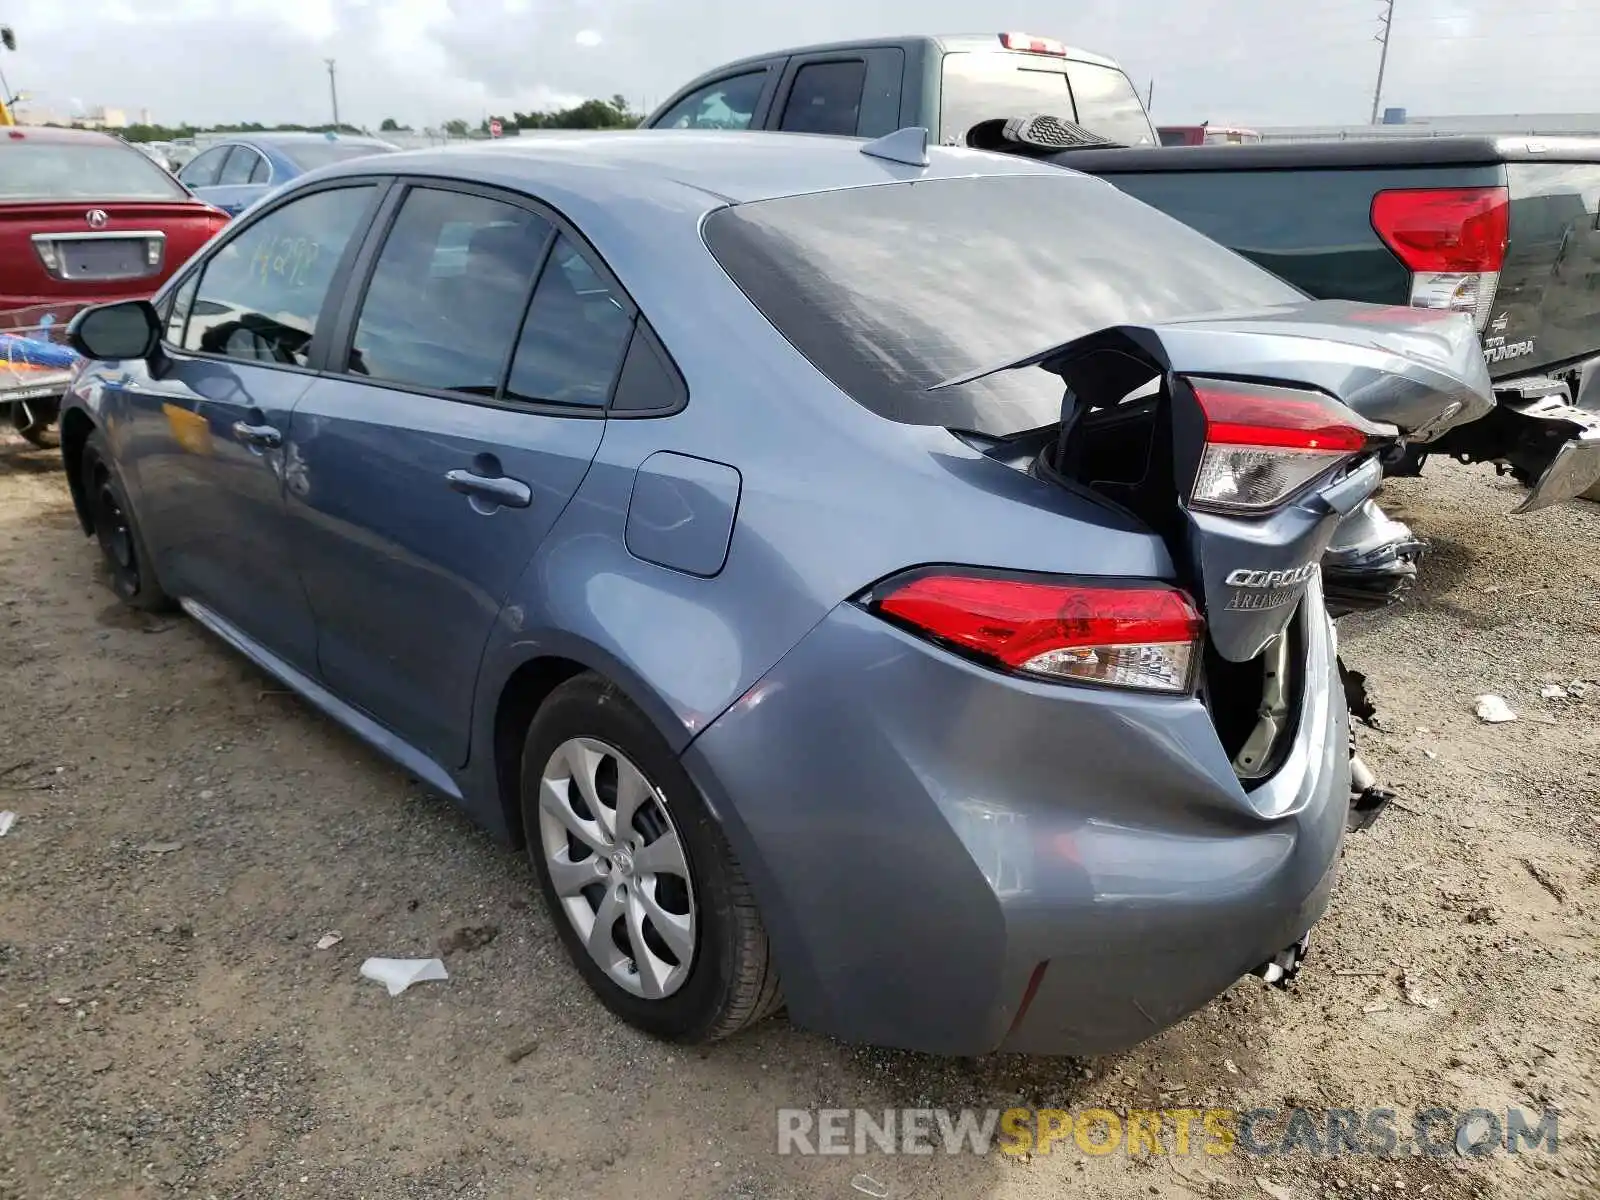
[
  {"x": 81, "y": 171},
  {"x": 982, "y": 86},
  {"x": 311, "y": 155},
  {"x": 893, "y": 288}
]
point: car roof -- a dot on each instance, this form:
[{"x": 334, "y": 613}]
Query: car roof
[
  {"x": 47, "y": 133},
  {"x": 725, "y": 166},
  {"x": 949, "y": 43}
]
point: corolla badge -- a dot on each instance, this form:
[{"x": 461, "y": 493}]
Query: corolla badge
[
  {"x": 1246, "y": 578},
  {"x": 97, "y": 218}
]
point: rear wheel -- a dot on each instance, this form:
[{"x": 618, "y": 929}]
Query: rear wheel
[
  {"x": 644, "y": 891},
  {"x": 122, "y": 545},
  {"x": 35, "y": 420}
]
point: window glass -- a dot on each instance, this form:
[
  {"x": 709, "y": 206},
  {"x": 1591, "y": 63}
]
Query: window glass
[
  {"x": 825, "y": 98},
  {"x": 202, "y": 171},
  {"x": 237, "y": 169},
  {"x": 1108, "y": 105},
  {"x": 448, "y": 292},
  {"x": 726, "y": 104},
  {"x": 574, "y": 337},
  {"x": 261, "y": 293},
  {"x": 262, "y": 171},
  {"x": 176, "y": 309},
  {"x": 983, "y": 86},
  {"x": 81, "y": 171},
  {"x": 649, "y": 381},
  {"x": 893, "y": 289}
]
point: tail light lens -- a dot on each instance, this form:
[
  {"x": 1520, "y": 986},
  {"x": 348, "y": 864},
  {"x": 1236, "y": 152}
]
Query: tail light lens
[
  {"x": 1453, "y": 240},
  {"x": 1265, "y": 443},
  {"x": 1144, "y": 636}
]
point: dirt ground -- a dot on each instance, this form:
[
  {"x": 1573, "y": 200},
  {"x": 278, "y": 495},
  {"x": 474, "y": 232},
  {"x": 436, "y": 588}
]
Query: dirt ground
[{"x": 186, "y": 832}]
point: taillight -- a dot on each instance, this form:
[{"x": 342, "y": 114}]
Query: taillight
[
  {"x": 1265, "y": 443},
  {"x": 1129, "y": 635},
  {"x": 1033, "y": 45},
  {"x": 1453, "y": 240}
]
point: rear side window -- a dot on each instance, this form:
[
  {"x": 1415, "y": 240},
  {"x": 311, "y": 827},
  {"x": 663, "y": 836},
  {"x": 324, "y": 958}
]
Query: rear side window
[
  {"x": 448, "y": 291},
  {"x": 575, "y": 335},
  {"x": 260, "y": 295},
  {"x": 726, "y": 104},
  {"x": 825, "y": 98},
  {"x": 40, "y": 170},
  {"x": 891, "y": 289},
  {"x": 203, "y": 170},
  {"x": 238, "y": 167}
]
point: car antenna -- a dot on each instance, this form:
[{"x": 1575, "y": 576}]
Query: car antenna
[{"x": 909, "y": 146}]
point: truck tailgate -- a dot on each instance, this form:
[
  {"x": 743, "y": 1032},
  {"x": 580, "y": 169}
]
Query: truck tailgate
[{"x": 1547, "y": 309}]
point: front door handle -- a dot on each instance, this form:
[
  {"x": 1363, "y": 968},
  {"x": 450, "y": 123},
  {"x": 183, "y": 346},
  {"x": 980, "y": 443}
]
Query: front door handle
[
  {"x": 497, "y": 490},
  {"x": 258, "y": 437}
]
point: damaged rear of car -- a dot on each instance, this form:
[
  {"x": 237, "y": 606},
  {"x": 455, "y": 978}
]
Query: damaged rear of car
[{"x": 1063, "y": 810}]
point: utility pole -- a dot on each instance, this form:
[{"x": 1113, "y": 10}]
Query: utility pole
[
  {"x": 333, "y": 88},
  {"x": 1150, "y": 96},
  {"x": 1387, "y": 21}
]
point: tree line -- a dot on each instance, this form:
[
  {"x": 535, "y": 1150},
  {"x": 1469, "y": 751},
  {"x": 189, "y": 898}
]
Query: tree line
[{"x": 614, "y": 113}]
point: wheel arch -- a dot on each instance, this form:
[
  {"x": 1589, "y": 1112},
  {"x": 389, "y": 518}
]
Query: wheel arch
[
  {"x": 526, "y": 682},
  {"x": 76, "y": 427}
]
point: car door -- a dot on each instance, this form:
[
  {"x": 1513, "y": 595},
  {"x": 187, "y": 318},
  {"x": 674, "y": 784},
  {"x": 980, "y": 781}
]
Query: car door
[
  {"x": 207, "y": 415},
  {"x": 477, "y": 360},
  {"x": 854, "y": 93},
  {"x": 238, "y": 182}
]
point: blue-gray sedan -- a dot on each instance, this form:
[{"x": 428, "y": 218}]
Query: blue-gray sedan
[{"x": 883, "y": 569}]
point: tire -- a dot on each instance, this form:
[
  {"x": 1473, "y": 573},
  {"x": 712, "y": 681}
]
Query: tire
[
  {"x": 35, "y": 422},
  {"x": 122, "y": 544},
  {"x": 587, "y": 728}
]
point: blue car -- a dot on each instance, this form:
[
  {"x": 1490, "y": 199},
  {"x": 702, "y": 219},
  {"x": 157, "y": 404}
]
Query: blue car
[
  {"x": 884, "y": 569},
  {"x": 233, "y": 175}
]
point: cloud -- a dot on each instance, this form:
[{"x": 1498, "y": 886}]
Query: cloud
[{"x": 422, "y": 61}]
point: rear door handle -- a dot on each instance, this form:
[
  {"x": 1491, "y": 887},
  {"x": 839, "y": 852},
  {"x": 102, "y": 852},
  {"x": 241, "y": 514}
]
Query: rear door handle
[
  {"x": 261, "y": 437},
  {"x": 499, "y": 490}
]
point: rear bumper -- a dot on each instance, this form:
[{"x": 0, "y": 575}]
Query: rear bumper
[{"x": 930, "y": 841}]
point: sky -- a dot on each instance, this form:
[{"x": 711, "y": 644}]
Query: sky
[{"x": 1261, "y": 62}]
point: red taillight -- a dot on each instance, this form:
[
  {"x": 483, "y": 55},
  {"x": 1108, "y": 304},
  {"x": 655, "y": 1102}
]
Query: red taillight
[
  {"x": 1033, "y": 45},
  {"x": 1135, "y": 635},
  {"x": 1265, "y": 443},
  {"x": 1453, "y": 240}
]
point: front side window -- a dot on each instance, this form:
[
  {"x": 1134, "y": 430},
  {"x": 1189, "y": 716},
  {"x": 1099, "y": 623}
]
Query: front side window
[
  {"x": 448, "y": 292},
  {"x": 726, "y": 104},
  {"x": 825, "y": 98},
  {"x": 574, "y": 338},
  {"x": 260, "y": 295}
]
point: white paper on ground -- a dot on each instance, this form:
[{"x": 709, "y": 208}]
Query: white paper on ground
[
  {"x": 397, "y": 974},
  {"x": 7, "y": 820},
  {"x": 1493, "y": 710}
]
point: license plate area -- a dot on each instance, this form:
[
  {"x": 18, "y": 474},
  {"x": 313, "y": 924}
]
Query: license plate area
[{"x": 113, "y": 258}]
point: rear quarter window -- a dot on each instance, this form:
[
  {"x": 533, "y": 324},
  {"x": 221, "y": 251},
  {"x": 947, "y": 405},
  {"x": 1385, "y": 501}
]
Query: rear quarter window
[{"x": 891, "y": 289}]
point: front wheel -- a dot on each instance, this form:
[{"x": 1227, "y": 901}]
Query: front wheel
[
  {"x": 122, "y": 544},
  {"x": 643, "y": 889}
]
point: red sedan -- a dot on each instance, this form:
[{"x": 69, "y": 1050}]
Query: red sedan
[{"x": 85, "y": 217}]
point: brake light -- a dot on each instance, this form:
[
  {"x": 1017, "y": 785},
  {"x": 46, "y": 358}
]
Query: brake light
[
  {"x": 1033, "y": 45},
  {"x": 1265, "y": 443},
  {"x": 1130, "y": 635},
  {"x": 1453, "y": 240}
]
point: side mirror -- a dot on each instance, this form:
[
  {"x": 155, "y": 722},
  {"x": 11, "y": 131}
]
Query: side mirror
[{"x": 113, "y": 332}]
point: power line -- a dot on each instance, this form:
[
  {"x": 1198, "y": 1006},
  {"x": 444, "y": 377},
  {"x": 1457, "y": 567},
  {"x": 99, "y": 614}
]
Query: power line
[{"x": 1387, "y": 21}]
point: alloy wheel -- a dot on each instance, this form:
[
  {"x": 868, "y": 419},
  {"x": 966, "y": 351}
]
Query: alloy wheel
[{"x": 617, "y": 864}]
